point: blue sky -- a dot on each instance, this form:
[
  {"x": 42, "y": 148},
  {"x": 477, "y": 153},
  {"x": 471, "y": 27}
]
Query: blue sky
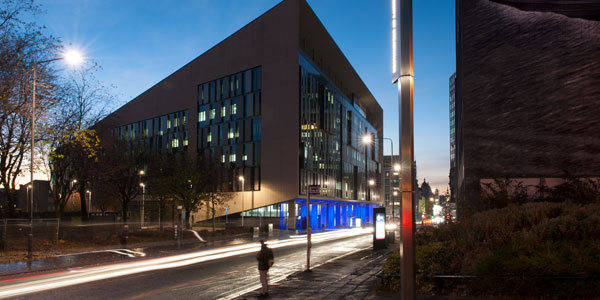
[{"x": 138, "y": 43}]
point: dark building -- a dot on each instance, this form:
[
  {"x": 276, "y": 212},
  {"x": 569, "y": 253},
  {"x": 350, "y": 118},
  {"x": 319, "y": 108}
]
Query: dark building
[
  {"x": 527, "y": 92},
  {"x": 278, "y": 104}
]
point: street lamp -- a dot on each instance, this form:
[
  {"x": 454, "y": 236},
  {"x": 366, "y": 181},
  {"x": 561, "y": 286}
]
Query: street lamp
[
  {"x": 143, "y": 196},
  {"x": 368, "y": 139},
  {"x": 89, "y": 201},
  {"x": 72, "y": 57},
  {"x": 241, "y": 178}
]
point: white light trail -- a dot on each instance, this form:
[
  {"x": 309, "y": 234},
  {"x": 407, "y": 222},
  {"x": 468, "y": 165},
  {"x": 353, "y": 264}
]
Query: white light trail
[{"x": 52, "y": 281}]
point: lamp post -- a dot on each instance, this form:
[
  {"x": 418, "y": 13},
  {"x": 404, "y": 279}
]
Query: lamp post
[
  {"x": 89, "y": 202},
  {"x": 72, "y": 58},
  {"x": 368, "y": 139},
  {"x": 402, "y": 73},
  {"x": 241, "y": 178},
  {"x": 143, "y": 196}
]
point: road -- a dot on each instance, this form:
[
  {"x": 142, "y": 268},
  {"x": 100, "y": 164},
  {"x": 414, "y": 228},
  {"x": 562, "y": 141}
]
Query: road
[{"x": 213, "y": 274}]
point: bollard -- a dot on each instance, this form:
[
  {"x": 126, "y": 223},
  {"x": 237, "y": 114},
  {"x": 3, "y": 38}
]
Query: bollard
[{"x": 256, "y": 232}]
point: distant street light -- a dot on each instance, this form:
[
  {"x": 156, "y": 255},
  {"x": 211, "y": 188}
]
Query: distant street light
[
  {"x": 241, "y": 178},
  {"x": 72, "y": 57}
]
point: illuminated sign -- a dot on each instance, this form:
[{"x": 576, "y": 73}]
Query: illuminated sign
[{"x": 380, "y": 226}]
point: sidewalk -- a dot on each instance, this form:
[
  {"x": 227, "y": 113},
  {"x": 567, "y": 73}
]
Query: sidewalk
[{"x": 350, "y": 278}]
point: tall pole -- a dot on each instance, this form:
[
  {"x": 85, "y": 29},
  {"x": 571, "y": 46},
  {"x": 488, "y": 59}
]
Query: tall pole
[
  {"x": 405, "y": 93},
  {"x": 30, "y": 236},
  {"x": 308, "y": 232},
  {"x": 143, "y": 200},
  {"x": 243, "y": 189}
]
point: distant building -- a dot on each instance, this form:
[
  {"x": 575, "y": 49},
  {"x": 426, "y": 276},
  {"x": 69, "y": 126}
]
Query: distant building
[
  {"x": 391, "y": 185},
  {"x": 527, "y": 93},
  {"x": 278, "y": 104}
]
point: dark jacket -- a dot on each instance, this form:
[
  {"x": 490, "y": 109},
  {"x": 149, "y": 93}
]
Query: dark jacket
[{"x": 264, "y": 256}]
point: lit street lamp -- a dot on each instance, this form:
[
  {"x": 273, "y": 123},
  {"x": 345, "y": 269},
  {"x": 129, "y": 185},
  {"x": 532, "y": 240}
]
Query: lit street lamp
[
  {"x": 241, "y": 178},
  {"x": 368, "y": 139},
  {"x": 72, "y": 58}
]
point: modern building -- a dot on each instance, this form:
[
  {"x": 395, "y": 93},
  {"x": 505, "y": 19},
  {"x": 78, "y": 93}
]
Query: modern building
[
  {"x": 391, "y": 186},
  {"x": 527, "y": 93},
  {"x": 278, "y": 104},
  {"x": 453, "y": 171}
]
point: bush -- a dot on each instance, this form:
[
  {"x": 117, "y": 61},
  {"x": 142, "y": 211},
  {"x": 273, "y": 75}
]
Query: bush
[{"x": 549, "y": 250}]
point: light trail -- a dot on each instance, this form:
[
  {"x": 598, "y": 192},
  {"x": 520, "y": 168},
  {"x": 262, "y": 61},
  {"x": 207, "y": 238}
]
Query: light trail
[{"x": 52, "y": 281}]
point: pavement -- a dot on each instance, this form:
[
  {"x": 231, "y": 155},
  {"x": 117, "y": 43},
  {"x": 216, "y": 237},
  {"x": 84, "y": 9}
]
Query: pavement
[{"x": 351, "y": 277}]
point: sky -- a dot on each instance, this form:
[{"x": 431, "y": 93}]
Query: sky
[{"x": 137, "y": 43}]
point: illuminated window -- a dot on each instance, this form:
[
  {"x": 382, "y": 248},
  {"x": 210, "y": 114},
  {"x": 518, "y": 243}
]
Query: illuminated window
[
  {"x": 168, "y": 123},
  {"x": 202, "y": 116},
  {"x": 223, "y": 111},
  {"x": 232, "y": 158},
  {"x": 245, "y": 157},
  {"x": 231, "y": 133},
  {"x": 233, "y": 109},
  {"x": 212, "y": 113},
  {"x": 209, "y": 137},
  {"x": 223, "y": 158},
  {"x": 175, "y": 143}
]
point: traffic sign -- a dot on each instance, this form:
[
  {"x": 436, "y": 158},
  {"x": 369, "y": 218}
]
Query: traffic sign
[{"x": 314, "y": 189}]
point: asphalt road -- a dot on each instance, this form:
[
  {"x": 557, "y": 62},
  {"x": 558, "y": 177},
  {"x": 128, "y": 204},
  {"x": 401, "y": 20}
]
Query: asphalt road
[{"x": 223, "y": 278}]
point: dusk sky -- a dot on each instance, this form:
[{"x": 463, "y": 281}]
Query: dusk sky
[{"x": 138, "y": 43}]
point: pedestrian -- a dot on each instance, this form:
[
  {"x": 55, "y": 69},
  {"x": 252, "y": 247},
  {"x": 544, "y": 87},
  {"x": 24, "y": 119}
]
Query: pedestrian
[
  {"x": 124, "y": 236},
  {"x": 265, "y": 261}
]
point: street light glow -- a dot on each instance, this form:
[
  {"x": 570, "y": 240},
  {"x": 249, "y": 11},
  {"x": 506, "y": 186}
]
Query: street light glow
[
  {"x": 73, "y": 57},
  {"x": 396, "y": 167},
  {"x": 366, "y": 139},
  {"x": 371, "y": 182},
  {"x": 241, "y": 178}
]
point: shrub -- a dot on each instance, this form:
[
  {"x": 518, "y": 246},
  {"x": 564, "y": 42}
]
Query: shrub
[{"x": 549, "y": 250}]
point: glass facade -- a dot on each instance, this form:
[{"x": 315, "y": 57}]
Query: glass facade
[
  {"x": 229, "y": 127},
  {"x": 332, "y": 153},
  {"x": 160, "y": 134}
]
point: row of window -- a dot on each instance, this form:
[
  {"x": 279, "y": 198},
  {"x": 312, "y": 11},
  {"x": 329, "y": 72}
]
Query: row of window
[
  {"x": 230, "y": 86},
  {"x": 244, "y": 106},
  {"x": 160, "y": 133}
]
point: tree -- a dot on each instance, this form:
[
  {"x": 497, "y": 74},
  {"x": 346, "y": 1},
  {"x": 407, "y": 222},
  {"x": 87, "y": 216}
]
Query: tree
[
  {"x": 159, "y": 169},
  {"x": 22, "y": 48},
  {"x": 82, "y": 102},
  {"x": 187, "y": 183},
  {"x": 118, "y": 172},
  {"x": 211, "y": 191},
  {"x": 76, "y": 158}
]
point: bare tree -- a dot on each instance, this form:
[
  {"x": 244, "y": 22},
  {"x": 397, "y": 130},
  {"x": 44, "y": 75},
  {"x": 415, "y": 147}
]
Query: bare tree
[
  {"x": 119, "y": 167},
  {"x": 22, "y": 48}
]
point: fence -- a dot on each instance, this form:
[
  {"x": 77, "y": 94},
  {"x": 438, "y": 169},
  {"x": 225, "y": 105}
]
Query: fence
[{"x": 15, "y": 234}]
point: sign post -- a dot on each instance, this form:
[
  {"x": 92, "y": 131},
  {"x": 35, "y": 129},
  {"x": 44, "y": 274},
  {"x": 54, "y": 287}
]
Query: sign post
[{"x": 312, "y": 189}]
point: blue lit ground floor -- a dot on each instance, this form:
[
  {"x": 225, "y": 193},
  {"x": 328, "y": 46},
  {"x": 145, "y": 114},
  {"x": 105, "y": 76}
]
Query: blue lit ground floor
[{"x": 324, "y": 214}]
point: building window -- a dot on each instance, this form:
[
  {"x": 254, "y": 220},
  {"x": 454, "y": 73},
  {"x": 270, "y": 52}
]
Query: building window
[
  {"x": 234, "y": 109},
  {"x": 223, "y": 111},
  {"x": 209, "y": 137},
  {"x": 202, "y": 116},
  {"x": 212, "y": 114}
]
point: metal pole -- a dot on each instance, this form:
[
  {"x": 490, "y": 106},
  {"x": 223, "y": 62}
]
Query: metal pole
[
  {"x": 405, "y": 93},
  {"x": 242, "y": 213},
  {"x": 308, "y": 232},
  {"x": 143, "y": 200},
  {"x": 30, "y": 237}
]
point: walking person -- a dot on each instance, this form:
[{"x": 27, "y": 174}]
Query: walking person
[
  {"x": 265, "y": 261},
  {"x": 124, "y": 236}
]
